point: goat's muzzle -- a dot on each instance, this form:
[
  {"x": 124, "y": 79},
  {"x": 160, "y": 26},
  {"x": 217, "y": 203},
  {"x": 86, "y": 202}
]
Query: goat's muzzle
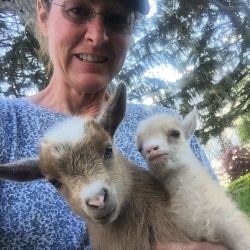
[{"x": 102, "y": 207}]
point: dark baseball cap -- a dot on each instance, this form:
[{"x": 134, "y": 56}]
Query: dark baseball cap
[{"x": 141, "y": 6}]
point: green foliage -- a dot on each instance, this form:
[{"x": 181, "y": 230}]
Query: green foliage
[
  {"x": 244, "y": 130},
  {"x": 240, "y": 190},
  {"x": 20, "y": 69}
]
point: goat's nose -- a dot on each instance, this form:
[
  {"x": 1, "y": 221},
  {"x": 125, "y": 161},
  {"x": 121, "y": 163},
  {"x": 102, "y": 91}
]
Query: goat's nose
[
  {"x": 98, "y": 201},
  {"x": 152, "y": 148}
]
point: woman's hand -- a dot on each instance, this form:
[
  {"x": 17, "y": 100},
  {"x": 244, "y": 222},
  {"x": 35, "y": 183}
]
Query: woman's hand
[{"x": 190, "y": 246}]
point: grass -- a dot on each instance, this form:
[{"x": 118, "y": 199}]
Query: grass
[{"x": 240, "y": 190}]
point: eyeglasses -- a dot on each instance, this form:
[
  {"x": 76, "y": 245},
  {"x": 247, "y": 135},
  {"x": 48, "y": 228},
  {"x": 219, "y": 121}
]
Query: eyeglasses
[{"x": 77, "y": 11}]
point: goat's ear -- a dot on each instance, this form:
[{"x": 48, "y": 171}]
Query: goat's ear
[
  {"x": 22, "y": 170},
  {"x": 55, "y": 150},
  {"x": 115, "y": 110},
  {"x": 190, "y": 122}
]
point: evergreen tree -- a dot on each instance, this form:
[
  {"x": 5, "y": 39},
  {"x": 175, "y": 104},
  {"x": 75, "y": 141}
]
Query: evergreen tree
[
  {"x": 207, "y": 42},
  {"x": 243, "y": 126}
]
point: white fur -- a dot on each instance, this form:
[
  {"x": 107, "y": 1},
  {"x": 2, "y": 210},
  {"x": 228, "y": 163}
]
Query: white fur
[
  {"x": 91, "y": 190},
  {"x": 200, "y": 205},
  {"x": 69, "y": 131}
]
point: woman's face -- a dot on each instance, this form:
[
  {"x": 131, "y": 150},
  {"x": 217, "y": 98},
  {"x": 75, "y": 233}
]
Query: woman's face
[{"x": 87, "y": 54}]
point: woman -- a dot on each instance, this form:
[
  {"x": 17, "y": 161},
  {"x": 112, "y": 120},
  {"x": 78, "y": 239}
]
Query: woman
[{"x": 87, "y": 44}]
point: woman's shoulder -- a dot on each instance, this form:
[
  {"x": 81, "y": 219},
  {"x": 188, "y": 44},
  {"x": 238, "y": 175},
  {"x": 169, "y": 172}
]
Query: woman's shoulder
[
  {"x": 14, "y": 107},
  {"x": 21, "y": 126},
  {"x": 13, "y": 103},
  {"x": 7, "y": 105},
  {"x": 21, "y": 110},
  {"x": 21, "y": 106}
]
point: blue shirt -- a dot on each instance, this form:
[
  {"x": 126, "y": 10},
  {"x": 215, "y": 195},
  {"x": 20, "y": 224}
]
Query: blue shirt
[{"x": 33, "y": 215}]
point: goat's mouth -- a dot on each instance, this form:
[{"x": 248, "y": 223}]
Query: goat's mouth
[
  {"x": 157, "y": 157},
  {"x": 106, "y": 215}
]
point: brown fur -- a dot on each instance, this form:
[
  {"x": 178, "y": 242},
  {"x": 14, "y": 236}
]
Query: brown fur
[
  {"x": 144, "y": 219},
  {"x": 144, "y": 216}
]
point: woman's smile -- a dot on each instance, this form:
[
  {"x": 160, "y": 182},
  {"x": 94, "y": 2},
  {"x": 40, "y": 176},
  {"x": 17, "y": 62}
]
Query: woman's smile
[{"x": 92, "y": 58}]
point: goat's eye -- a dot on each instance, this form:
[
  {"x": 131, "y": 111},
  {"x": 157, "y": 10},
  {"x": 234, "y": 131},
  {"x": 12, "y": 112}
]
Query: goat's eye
[
  {"x": 175, "y": 133},
  {"x": 57, "y": 184},
  {"x": 108, "y": 152}
]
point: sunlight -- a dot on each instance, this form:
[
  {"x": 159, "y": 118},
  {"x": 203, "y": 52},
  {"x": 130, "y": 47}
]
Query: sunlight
[
  {"x": 153, "y": 8},
  {"x": 148, "y": 101},
  {"x": 164, "y": 72}
]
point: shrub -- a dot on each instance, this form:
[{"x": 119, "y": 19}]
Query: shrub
[
  {"x": 236, "y": 162},
  {"x": 240, "y": 190}
]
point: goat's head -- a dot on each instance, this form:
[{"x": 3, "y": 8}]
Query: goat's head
[
  {"x": 77, "y": 158},
  {"x": 163, "y": 141}
]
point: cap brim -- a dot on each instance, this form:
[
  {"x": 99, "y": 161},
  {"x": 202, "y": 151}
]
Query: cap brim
[{"x": 142, "y": 6}]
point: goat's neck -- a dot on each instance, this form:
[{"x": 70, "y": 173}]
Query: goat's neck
[
  {"x": 184, "y": 175},
  {"x": 121, "y": 232}
]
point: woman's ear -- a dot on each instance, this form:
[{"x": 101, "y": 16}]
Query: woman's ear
[{"x": 42, "y": 17}]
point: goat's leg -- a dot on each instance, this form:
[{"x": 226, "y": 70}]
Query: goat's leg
[{"x": 234, "y": 230}]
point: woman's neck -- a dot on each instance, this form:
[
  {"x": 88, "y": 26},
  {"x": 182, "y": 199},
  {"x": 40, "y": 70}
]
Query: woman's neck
[{"x": 67, "y": 100}]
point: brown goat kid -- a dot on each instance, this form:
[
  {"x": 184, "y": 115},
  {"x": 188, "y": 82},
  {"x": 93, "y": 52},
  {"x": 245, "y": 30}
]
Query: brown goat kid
[{"x": 123, "y": 205}]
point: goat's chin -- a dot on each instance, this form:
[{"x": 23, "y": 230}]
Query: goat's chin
[
  {"x": 106, "y": 215},
  {"x": 158, "y": 168}
]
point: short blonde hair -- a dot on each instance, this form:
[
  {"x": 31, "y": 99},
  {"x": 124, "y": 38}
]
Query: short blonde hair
[{"x": 43, "y": 53}]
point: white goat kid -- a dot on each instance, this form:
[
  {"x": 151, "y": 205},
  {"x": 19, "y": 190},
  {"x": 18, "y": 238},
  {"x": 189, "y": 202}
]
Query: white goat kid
[
  {"x": 124, "y": 206},
  {"x": 199, "y": 205}
]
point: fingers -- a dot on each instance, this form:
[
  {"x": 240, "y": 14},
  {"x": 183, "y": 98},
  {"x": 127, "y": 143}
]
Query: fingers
[{"x": 190, "y": 246}]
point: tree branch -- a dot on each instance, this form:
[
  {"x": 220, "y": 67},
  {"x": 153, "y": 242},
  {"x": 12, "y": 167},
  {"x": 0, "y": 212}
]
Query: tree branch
[{"x": 26, "y": 10}]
